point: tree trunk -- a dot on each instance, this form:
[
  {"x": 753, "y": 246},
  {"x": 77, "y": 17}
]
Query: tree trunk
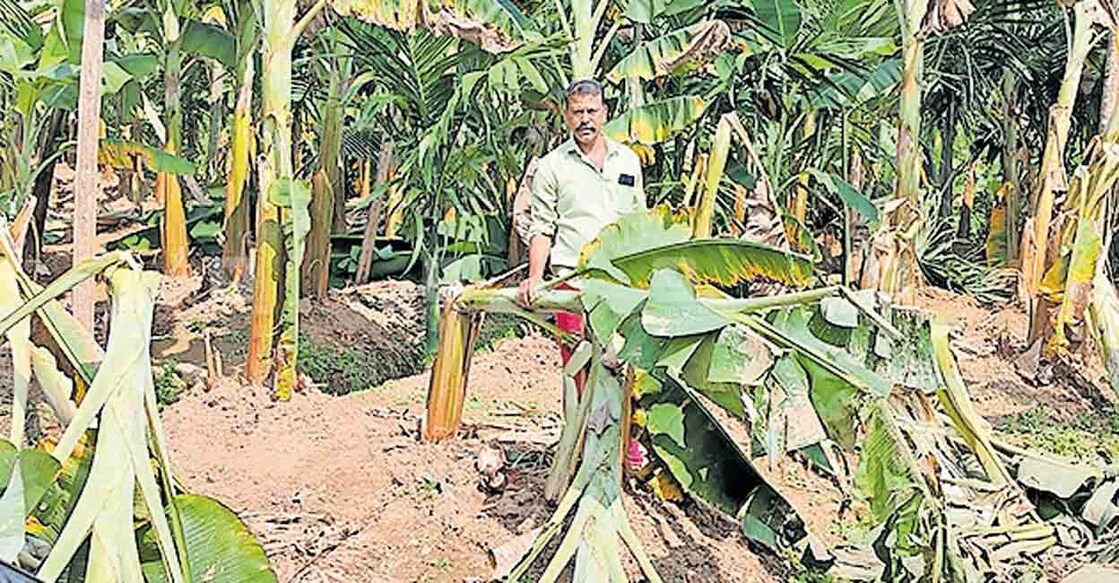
[
  {"x": 386, "y": 167},
  {"x": 280, "y": 32},
  {"x": 50, "y": 141},
  {"x": 217, "y": 116},
  {"x": 892, "y": 259},
  {"x": 1111, "y": 82},
  {"x": 1011, "y": 171},
  {"x": 1052, "y": 178},
  {"x": 327, "y": 180},
  {"x": 275, "y": 163},
  {"x": 86, "y": 187},
  {"x": 948, "y": 136},
  {"x": 173, "y": 232},
  {"x": 963, "y": 230},
  {"x": 235, "y": 248}
]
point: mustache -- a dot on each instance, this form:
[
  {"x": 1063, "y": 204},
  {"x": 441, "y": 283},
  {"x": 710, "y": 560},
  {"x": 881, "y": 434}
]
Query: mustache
[{"x": 584, "y": 126}]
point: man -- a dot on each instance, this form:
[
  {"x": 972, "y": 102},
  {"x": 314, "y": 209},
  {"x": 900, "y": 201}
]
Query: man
[{"x": 580, "y": 187}]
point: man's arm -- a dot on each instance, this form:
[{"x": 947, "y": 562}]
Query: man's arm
[{"x": 544, "y": 214}]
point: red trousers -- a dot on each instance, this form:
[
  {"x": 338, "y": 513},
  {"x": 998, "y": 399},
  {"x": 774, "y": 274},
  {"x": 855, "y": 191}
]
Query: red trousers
[{"x": 572, "y": 323}]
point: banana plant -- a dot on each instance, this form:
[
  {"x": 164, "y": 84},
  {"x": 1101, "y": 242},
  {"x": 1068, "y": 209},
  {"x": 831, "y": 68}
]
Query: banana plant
[
  {"x": 1035, "y": 251},
  {"x": 112, "y": 451},
  {"x": 722, "y": 390},
  {"x": 283, "y": 204}
]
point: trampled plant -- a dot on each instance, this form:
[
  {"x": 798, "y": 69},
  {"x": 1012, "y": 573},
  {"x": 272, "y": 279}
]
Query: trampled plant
[
  {"x": 723, "y": 389},
  {"x": 107, "y": 481}
]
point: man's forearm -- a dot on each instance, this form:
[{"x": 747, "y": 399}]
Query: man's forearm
[{"x": 538, "y": 250}]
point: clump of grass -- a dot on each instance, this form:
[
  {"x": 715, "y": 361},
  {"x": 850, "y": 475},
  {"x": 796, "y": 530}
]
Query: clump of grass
[
  {"x": 1088, "y": 437},
  {"x": 340, "y": 370},
  {"x": 169, "y": 386}
]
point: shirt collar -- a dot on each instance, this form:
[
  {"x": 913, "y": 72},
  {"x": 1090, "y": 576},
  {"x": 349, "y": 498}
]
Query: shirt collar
[{"x": 573, "y": 148}]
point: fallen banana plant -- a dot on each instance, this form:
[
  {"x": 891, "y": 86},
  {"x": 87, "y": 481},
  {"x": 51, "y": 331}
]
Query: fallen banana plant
[
  {"x": 726, "y": 390},
  {"x": 112, "y": 453}
]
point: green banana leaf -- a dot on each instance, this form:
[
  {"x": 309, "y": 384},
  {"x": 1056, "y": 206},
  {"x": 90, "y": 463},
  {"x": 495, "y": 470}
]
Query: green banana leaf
[
  {"x": 219, "y": 547},
  {"x": 781, "y": 18},
  {"x": 207, "y": 40}
]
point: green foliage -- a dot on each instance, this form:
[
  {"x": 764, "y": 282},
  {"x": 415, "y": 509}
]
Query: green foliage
[
  {"x": 339, "y": 369},
  {"x": 169, "y": 386},
  {"x": 1088, "y": 436}
]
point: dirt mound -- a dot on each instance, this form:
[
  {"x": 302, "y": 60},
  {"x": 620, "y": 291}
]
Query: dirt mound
[{"x": 340, "y": 333}]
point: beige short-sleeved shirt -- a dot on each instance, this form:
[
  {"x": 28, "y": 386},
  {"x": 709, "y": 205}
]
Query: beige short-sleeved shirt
[{"x": 572, "y": 201}]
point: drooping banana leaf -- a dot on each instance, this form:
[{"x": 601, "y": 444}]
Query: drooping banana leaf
[
  {"x": 721, "y": 261},
  {"x": 497, "y": 26},
  {"x": 118, "y": 154},
  {"x": 656, "y": 122},
  {"x": 671, "y": 51}
]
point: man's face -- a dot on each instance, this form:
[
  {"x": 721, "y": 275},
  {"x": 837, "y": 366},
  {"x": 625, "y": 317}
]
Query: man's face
[{"x": 584, "y": 116}]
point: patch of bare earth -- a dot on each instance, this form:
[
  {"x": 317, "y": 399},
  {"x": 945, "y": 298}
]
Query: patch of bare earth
[
  {"x": 338, "y": 489},
  {"x": 989, "y": 341}
]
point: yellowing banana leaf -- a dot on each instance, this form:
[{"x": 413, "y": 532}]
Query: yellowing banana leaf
[
  {"x": 656, "y": 122},
  {"x": 631, "y": 234},
  {"x": 720, "y": 261},
  {"x": 671, "y": 51},
  {"x": 218, "y": 545},
  {"x": 497, "y": 26},
  {"x": 119, "y": 153}
]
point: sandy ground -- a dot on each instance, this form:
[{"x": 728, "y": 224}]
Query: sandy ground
[{"x": 338, "y": 488}]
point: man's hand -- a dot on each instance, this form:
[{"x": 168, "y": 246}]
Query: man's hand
[{"x": 527, "y": 292}]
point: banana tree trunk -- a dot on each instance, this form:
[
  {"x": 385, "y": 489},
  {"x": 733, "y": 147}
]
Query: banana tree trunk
[
  {"x": 235, "y": 255},
  {"x": 275, "y": 163},
  {"x": 1052, "y": 178},
  {"x": 86, "y": 188},
  {"x": 273, "y": 267},
  {"x": 173, "y": 232},
  {"x": 316, "y": 273},
  {"x": 948, "y": 136},
  {"x": 217, "y": 116},
  {"x": 1081, "y": 227},
  {"x": 705, "y": 207},
  {"x": 1011, "y": 171},
  {"x": 892, "y": 257},
  {"x": 386, "y": 167},
  {"x": 1111, "y": 82},
  {"x": 909, "y": 114},
  {"x": 963, "y": 230}
]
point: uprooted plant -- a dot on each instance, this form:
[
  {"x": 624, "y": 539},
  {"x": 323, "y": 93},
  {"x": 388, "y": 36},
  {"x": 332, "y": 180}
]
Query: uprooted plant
[
  {"x": 723, "y": 389},
  {"x": 101, "y": 504}
]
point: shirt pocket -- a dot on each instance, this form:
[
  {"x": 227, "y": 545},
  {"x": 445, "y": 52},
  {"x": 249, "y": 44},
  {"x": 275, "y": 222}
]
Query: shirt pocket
[{"x": 622, "y": 197}]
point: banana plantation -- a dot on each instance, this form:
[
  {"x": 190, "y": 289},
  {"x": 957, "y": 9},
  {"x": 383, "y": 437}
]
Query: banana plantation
[{"x": 539, "y": 290}]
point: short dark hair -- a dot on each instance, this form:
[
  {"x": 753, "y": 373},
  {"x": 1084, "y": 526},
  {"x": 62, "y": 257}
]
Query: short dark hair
[{"x": 584, "y": 87}]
